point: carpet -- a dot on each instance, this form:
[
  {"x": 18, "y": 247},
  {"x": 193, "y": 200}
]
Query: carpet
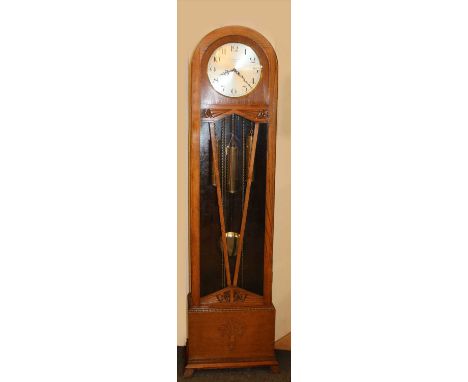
[{"x": 257, "y": 374}]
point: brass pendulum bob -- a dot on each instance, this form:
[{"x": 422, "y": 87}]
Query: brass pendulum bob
[
  {"x": 232, "y": 239},
  {"x": 232, "y": 181},
  {"x": 249, "y": 146}
]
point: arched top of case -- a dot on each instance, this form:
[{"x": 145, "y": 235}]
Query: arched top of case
[
  {"x": 235, "y": 30},
  {"x": 201, "y": 92}
]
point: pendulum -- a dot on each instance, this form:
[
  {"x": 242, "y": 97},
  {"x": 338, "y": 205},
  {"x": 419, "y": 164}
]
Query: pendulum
[{"x": 231, "y": 153}]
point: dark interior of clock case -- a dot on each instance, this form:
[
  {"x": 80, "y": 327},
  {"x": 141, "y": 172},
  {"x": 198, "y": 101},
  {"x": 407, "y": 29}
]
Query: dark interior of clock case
[{"x": 234, "y": 136}]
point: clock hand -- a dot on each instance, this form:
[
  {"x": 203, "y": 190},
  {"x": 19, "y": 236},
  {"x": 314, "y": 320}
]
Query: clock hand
[
  {"x": 227, "y": 72},
  {"x": 241, "y": 76}
]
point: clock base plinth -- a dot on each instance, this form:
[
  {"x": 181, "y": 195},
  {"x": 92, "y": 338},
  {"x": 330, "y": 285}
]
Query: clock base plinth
[
  {"x": 188, "y": 372},
  {"x": 275, "y": 369},
  {"x": 230, "y": 337}
]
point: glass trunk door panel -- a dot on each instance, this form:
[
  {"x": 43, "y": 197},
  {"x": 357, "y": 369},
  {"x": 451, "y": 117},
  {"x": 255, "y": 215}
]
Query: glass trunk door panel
[{"x": 234, "y": 139}]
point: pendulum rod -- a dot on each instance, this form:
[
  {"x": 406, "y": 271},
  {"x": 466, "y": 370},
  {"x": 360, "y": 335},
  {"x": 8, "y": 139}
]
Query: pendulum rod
[
  {"x": 220, "y": 202},
  {"x": 246, "y": 204}
]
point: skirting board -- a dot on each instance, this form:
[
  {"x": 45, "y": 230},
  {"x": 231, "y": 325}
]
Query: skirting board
[{"x": 284, "y": 343}]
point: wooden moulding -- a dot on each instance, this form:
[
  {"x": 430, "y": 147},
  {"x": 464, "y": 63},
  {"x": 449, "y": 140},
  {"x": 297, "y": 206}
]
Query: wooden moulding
[
  {"x": 232, "y": 296},
  {"x": 256, "y": 114}
]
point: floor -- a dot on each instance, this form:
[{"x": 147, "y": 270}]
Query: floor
[{"x": 257, "y": 374}]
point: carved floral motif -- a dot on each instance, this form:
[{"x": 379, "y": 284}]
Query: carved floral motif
[
  {"x": 233, "y": 329},
  {"x": 206, "y": 113},
  {"x": 239, "y": 296},
  {"x": 224, "y": 297},
  {"x": 263, "y": 114}
]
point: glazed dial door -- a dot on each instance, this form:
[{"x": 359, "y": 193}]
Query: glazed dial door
[{"x": 234, "y": 69}]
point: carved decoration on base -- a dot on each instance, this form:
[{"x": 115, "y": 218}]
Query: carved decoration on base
[{"x": 232, "y": 329}]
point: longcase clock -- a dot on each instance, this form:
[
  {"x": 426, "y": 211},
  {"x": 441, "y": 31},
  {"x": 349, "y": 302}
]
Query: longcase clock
[{"x": 231, "y": 318}]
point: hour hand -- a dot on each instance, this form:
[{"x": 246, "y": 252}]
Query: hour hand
[{"x": 227, "y": 72}]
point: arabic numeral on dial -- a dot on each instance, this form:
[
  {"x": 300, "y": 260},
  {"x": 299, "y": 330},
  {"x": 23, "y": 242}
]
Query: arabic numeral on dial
[
  {"x": 233, "y": 91},
  {"x": 253, "y": 80}
]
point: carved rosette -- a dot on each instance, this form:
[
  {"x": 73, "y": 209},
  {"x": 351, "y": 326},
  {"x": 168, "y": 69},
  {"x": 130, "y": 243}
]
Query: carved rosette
[
  {"x": 232, "y": 330},
  {"x": 226, "y": 296},
  {"x": 212, "y": 113},
  {"x": 263, "y": 114},
  {"x": 256, "y": 115},
  {"x": 223, "y": 297},
  {"x": 239, "y": 296},
  {"x": 206, "y": 113}
]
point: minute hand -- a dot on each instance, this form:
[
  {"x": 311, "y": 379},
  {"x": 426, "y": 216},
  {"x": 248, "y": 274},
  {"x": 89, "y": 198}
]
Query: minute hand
[{"x": 241, "y": 76}]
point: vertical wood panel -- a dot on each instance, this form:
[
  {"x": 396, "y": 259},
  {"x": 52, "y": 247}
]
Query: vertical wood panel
[
  {"x": 194, "y": 202},
  {"x": 270, "y": 181}
]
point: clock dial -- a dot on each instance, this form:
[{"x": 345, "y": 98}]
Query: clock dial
[{"x": 234, "y": 69}]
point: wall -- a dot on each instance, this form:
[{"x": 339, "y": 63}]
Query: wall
[{"x": 272, "y": 18}]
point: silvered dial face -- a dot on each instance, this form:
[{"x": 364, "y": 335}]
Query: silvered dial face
[{"x": 234, "y": 69}]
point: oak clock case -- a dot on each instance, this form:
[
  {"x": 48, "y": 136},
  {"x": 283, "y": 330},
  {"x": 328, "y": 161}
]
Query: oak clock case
[{"x": 231, "y": 318}]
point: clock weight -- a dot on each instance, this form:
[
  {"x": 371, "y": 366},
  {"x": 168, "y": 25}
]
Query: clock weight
[{"x": 232, "y": 168}]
